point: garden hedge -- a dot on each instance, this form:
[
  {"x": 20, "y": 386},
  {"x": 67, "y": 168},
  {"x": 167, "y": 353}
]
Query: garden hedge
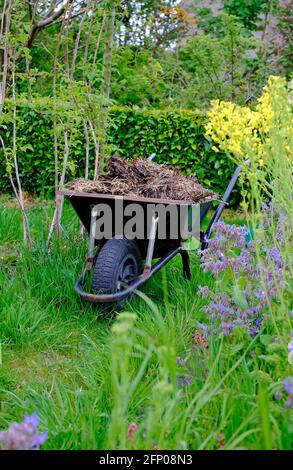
[{"x": 176, "y": 136}]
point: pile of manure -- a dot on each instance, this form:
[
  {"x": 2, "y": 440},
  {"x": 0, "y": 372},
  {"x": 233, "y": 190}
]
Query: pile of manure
[{"x": 143, "y": 178}]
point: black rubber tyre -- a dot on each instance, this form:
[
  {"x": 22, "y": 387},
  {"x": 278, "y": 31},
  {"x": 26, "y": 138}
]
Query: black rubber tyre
[{"x": 118, "y": 261}]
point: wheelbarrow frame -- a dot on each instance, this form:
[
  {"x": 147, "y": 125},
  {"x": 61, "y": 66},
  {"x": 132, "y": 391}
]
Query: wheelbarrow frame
[{"x": 82, "y": 203}]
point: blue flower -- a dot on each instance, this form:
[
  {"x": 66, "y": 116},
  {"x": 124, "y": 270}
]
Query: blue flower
[
  {"x": 288, "y": 385},
  {"x": 24, "y": 435}
]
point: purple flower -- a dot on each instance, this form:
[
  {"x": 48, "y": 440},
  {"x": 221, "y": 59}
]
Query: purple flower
[
  {"x": 182, "y": 363},
  {"x": 204, "y": 291},
  {"x": 288, "y": 385},
  {"x": 183, "y": 380},
  {"x": 253, "y": 331},
  {"x": 278, "y": 395},
  {"x": 258, "y": 321},
  {"x": 276, "y": 257},
  {"x": 289, "y": 402},
  {"x": 259, "y": 293},
  {"x": 32, "y": 420},
  {"x": 230, "y": 254},
  {"x": 205, "y": 328},
  {"x": 24, "y": 435},
  {"x": 227, "y": 327}
]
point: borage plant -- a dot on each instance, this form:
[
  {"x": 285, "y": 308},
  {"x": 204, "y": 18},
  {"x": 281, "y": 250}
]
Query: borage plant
[{"x": 250, "y": 273}]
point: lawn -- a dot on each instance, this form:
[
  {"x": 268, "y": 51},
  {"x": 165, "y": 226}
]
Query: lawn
[{"x": 89, "y": 372}]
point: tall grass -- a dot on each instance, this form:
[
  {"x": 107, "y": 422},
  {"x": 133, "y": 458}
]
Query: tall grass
[{"x": 89, "y": 375}]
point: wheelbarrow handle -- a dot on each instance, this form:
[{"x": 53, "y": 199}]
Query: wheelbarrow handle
[{"x": 220, "y": 207}]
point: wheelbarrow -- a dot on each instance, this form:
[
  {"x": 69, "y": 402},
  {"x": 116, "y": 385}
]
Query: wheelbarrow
[{"x": 116, "y": 263}]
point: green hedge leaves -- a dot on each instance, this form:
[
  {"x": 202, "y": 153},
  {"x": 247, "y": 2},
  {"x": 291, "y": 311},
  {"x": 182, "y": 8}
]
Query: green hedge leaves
[{"x": 177, "y": 137}]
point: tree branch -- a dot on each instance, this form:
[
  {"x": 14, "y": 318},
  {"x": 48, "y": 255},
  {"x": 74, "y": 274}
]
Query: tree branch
[
  {"x": 43, "y": 23},
  {"x": 47, "y": 21}
]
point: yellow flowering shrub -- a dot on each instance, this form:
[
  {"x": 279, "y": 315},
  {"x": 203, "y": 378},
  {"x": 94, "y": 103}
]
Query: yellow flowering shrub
[{"x": 235, "y": 128}]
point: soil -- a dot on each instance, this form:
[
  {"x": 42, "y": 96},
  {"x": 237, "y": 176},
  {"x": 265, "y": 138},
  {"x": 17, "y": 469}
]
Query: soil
[{"x": 144, "y": 178}]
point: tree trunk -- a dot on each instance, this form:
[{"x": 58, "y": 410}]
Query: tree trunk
[
  {"x": 4, "y": 59},
  {"x": 56, "y": 222},
  {"x": 109, "y": 28}
]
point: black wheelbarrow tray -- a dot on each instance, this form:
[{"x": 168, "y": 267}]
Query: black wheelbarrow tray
[{"x": 116, "y": 262}]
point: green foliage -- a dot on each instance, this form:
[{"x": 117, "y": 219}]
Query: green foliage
[
  {"x": 223, "y": 61},
  {"x": 137, "y": 78},
  {"x": 224, "y": 65},
  {"x": 176, "y": 136},
  {"x": 248, "y": 12}
]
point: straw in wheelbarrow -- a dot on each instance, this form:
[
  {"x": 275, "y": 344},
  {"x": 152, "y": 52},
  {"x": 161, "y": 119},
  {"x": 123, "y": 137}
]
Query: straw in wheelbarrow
[{"x": 144, "y": 178}]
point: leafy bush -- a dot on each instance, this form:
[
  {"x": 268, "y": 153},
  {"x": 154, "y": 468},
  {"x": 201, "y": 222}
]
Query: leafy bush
[
  {"x": 35, "y": 152},
  {"x": 238, "y": 128},
  {"x": 226, "y": 65},
  {"x": 176, "y": 136},
  {"x": 248, "y": 12}
]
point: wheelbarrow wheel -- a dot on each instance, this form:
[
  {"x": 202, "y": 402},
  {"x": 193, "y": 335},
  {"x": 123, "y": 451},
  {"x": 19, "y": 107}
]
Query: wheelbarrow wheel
[{"x": 118, "y": 264}]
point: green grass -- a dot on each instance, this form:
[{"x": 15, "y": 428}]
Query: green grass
[{"x": 88, "y": 373}]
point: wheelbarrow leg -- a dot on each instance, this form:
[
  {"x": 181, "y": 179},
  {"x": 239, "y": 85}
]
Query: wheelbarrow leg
[{"x": 186, "y": 264}]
